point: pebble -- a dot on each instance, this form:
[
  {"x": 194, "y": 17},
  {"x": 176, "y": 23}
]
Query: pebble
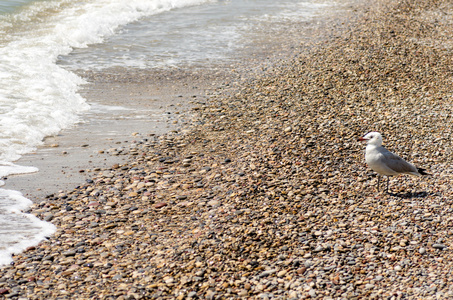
[
  {"x": 267, "y": 273},
  {"x": 439, "y": 246},
  {"x": 191, "y": 294},
  {"x": 160, "y": 205},
  {"x": 213, "y": 203}
]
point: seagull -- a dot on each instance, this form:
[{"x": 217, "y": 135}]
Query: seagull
[{"x": 385, "y": 162}]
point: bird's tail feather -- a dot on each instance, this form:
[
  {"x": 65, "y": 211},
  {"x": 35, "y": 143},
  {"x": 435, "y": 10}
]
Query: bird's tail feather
[{"x": 422, "y": 171}]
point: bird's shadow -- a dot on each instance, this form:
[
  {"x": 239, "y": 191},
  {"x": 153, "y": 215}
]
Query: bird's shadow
[{"x": 409, "y": 195}]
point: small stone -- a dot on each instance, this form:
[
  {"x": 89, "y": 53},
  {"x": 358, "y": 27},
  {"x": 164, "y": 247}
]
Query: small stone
[
  {"x": 68, "y": 272},
  {"x": 267, "y": 273},
  {"x": 169, "y": 280},
  {"x": 213, "y": 203},
  {"x": 4, "y": 291},
  {"x": 49, "y": 218},
  {"x": 160, "y": 205},
  {"x": 301, "y": 270},
  {"x": 422, "y": 250},
  {"x": 70, "y": 253},
  {"x": 117, "y": 277},
  {"x": 378, "y": 278},
  {"x": 12, "y": 295},
  {"x": 318, "y": 249},
  {"x": 439, "y": 246}
]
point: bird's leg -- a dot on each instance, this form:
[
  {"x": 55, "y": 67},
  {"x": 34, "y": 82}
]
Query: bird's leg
[
  {"x": 378, "y": 181},
  {"x": 388, "y": 179}
]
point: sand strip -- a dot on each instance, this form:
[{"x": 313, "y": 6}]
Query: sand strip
[{"x": 126, "y": 105}]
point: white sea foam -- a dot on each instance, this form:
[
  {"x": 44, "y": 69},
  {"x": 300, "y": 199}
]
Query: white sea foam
[
  {"x": 38, "y": 98},
  {"x": 19, "y": 230}
]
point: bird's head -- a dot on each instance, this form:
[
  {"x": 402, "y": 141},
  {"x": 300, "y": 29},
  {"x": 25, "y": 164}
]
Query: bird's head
[{"x": 372, "y": 138}]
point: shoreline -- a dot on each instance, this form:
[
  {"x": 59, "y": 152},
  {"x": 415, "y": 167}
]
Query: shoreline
[
  {"x": 126, "y": 105},
  {"x": 266, "y": 195}
]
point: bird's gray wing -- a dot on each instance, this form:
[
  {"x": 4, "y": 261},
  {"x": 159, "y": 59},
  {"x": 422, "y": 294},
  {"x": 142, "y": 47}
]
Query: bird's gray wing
[{"x": 396, "y": 163}]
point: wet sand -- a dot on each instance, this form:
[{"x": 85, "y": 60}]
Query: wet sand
[{"x": 126, "y": 105}]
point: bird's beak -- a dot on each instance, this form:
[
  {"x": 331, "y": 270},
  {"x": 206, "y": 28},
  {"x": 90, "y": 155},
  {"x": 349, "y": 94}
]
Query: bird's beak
[{"x": 362, "y": 139}]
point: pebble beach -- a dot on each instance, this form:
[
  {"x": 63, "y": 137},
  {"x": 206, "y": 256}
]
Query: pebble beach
[{"x": 262, "y": 192}]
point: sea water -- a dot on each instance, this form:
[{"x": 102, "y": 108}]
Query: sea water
[{"x": 43, "y": 43}]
